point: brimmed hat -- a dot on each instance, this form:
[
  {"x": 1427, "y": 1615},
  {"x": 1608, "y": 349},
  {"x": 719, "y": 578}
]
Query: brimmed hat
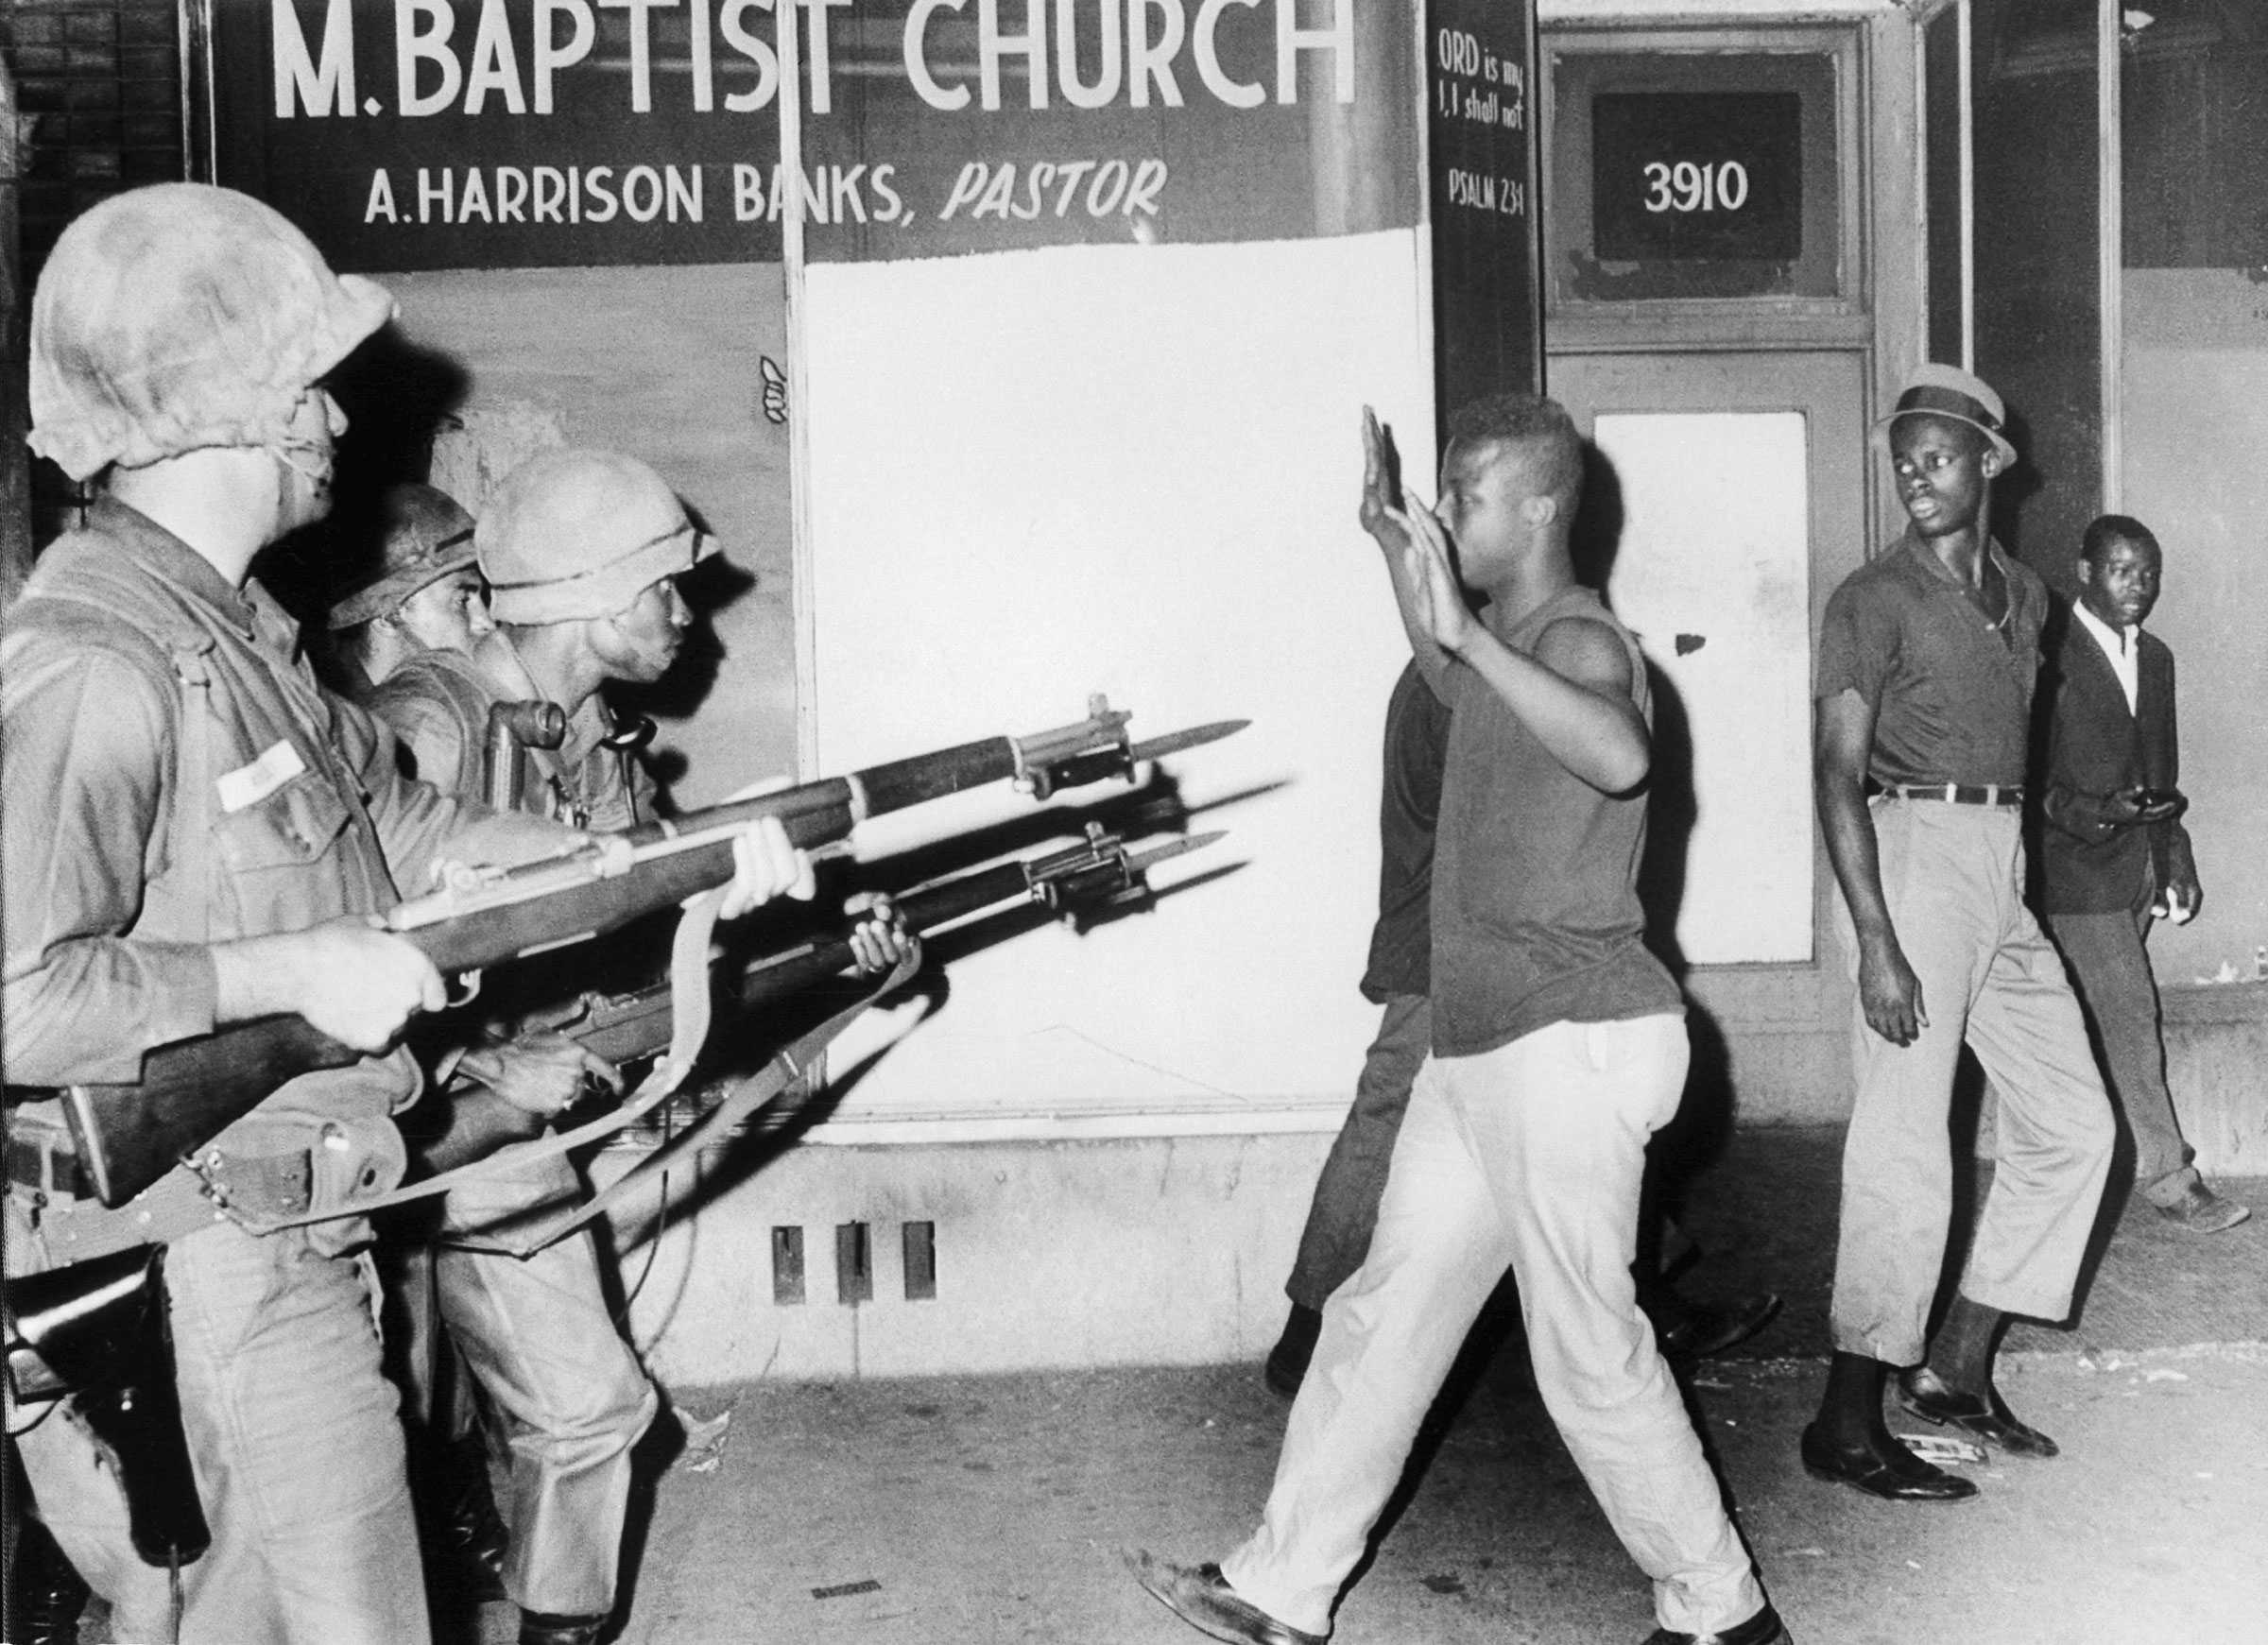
[
  {"x": 1937, "y": 390},
  {"x": 428, "y": 534},
  {"x": 576, "y": 534}
]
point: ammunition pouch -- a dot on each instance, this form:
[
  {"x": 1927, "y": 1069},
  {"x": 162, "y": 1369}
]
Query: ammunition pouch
[{"x": 98, "y": 1332}]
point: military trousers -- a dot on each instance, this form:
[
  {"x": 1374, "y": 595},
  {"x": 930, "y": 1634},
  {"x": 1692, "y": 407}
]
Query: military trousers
[
  {"x": 569, "y": 1396},
  {"x": 296, "y": 1439}
]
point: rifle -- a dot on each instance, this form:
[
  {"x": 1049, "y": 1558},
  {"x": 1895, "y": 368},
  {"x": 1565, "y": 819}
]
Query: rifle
[
  {"x": 1098, "y": 875},
  {"x": 130, "y": 1135}
]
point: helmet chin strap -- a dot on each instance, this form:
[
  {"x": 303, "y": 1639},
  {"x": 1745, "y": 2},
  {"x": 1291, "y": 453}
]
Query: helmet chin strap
[{"x": 310, "y": 461}]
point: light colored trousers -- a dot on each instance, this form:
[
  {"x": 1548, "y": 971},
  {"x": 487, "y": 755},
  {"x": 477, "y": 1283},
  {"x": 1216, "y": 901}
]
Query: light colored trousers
[
  {"x": 297, "y": 1443},
  {"x": 538, "y": 1340},
  {"x": 1953, "y": 875},
  {"x": 1530, "y": 1157},
  {"x": 2110, "y": 968}
]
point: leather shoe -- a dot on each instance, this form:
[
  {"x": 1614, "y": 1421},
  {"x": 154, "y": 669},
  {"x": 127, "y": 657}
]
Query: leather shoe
[
  {"x": 1200, "y": 1596},
  {"x": 1896, "y": 1475},
  {"x": 2203, "y": 1211},
  {"x": 552, "y": 1628},
  {"x": 1698, "y": 1330},
  {"x": 1928, "y": 1395},
  {"x": 1764, "y": 1628}
]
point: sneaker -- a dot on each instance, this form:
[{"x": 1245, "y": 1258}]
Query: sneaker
[{"x": 2203, "y": 1211}]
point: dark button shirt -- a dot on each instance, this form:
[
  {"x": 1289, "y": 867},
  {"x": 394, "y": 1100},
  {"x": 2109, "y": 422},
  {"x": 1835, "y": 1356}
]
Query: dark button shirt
[
  {"x": 1408, "y": 806},
  {"x": 1952, "y": 692}
]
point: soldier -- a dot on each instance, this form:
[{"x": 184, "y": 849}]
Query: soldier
[
  {"x": 425, "y": 595},
  {"x": 195, "y": 834},
  {"x": 582, "y": 549}
]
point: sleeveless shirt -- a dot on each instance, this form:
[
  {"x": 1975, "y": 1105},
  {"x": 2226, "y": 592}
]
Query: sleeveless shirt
[{"x": 1535, "y": 911}]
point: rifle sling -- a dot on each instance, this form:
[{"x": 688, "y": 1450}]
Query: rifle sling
[
  {"x": 689, "y": 1010},
  {"x": 785, "y": 1067}
]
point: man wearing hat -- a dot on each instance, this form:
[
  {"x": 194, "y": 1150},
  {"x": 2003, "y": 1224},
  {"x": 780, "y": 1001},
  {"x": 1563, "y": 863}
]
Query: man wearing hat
[
  {"x": 581, "y": 550},
  {"x": 1926, "y": 662},
  {"x": 426, "y": 594},
  {"x": 196, "y": 836}
]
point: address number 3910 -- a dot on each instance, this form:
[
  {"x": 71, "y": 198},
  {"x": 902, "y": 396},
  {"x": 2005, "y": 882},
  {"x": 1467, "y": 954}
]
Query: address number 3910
[{"x": 1690, "y": 187}]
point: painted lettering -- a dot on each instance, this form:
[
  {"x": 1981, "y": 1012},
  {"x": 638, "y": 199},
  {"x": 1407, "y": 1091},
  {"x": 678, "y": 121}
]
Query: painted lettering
[{"x": 319, "y": 89}]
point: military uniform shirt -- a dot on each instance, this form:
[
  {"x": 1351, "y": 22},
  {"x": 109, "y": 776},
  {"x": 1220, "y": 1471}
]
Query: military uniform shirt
[{"x": 114, "y": 879}]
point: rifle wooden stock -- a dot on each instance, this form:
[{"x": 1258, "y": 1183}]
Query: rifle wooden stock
[{"x": 130, "y": 1135}]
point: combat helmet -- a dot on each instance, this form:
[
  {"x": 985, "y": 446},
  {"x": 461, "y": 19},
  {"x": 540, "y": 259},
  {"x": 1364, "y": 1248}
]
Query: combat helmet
[
  {"x": 428, "y": 534},
  {"x": 577, "y": 534},
  {"x": 182, "y": 317}
]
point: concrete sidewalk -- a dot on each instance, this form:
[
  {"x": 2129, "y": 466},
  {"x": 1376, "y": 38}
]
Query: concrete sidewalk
[{"x": 983, "y": 1511}]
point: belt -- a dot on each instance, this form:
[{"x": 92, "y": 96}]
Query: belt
[
  {"x": 1959, "y": 792},
  {"x": 76, "y": 1226}
]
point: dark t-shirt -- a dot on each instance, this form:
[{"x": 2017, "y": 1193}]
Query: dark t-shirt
[
  {"x": 1951, "y": 693},
  {"x": 1409, "y": 805},
  {"x": 1535, "y": 912}
]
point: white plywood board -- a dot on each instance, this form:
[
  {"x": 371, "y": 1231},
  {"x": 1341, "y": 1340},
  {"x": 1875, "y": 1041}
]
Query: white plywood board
[
  {"x": 1713, "y": 574},
  {"x": 1129, "y": 469}
]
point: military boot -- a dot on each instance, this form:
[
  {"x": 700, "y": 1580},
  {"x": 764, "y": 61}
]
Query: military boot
[{"x": 465, "y": 1537}]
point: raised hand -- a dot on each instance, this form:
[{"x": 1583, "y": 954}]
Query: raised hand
[
  {"x": 1441, "y": 608},
  {"x": 1381, "y": 497}
]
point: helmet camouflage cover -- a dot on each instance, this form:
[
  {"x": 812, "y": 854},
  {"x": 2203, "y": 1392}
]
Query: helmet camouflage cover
[{"x": 182, "y": 317}]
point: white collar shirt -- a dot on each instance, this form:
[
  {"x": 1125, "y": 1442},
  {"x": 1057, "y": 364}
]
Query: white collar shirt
[{"x": 2124, "y": 646}]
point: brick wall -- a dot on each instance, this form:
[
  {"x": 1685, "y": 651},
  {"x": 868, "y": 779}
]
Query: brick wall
[
  {"x": 98, "y": 108},
  {"x": 98, "y": 97}
]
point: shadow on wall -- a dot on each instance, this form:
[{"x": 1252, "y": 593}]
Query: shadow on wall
[
  {"x": 398, "y": 397},
  {"x": 2013, "y": 494},
  {"x": 1689, "y": 1144}
]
